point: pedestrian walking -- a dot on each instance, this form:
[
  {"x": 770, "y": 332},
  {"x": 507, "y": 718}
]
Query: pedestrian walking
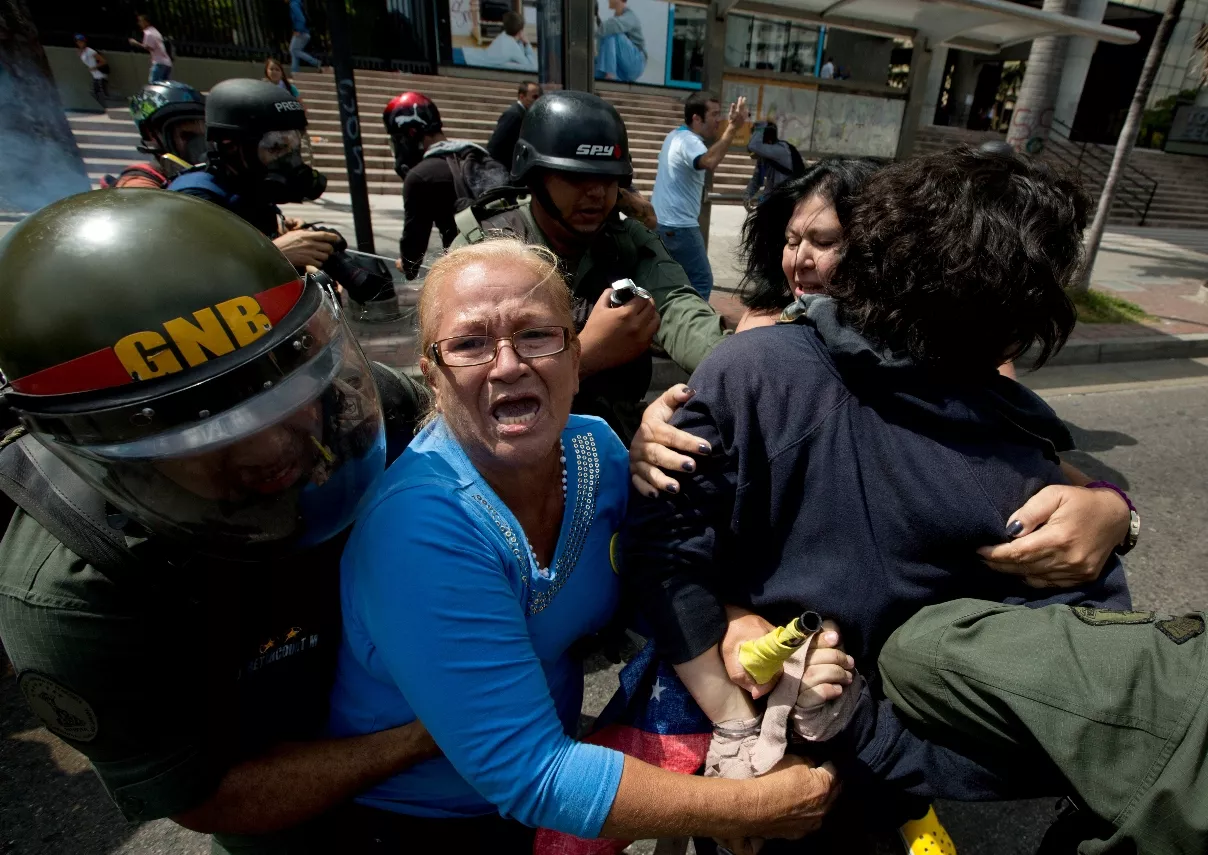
[
  {"x": 98, "y": 67},
  {"x": 300, "y": 39},
  {"x": 154, "y": 44},
  {"x": 507, "y": 129},
  {"x": 680, "y": 181}
]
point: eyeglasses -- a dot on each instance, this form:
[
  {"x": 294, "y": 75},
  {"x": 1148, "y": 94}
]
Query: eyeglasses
[{"x": 465, "y": 350}]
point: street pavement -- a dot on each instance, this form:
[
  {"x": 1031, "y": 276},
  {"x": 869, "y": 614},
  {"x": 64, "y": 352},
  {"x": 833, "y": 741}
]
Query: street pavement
[{"x": 1140, "y": 425}]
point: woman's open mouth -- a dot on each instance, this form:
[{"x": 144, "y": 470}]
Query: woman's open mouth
[{"x": 515, "y": 414}]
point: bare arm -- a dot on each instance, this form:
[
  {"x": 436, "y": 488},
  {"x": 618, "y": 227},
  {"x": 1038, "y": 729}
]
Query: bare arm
[
  {"x": 299, "y": 780},
  {"x": 712, "y": 158},
  {"x": 789, "y": 801}
]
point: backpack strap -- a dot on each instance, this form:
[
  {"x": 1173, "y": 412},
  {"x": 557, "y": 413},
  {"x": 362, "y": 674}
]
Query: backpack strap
[
  {"x": 467, "y": 224},
  {"x": 459, "y": 181},
  {"x": 61, "y": 502}
]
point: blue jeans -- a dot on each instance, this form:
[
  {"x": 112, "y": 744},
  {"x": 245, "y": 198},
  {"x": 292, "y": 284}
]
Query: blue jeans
[
  {"x": 297, "y": 53},
  {"x": 687, "y": 247},
  {"x": 620, "y": 58},
  {"x": 159, "y": 73}
]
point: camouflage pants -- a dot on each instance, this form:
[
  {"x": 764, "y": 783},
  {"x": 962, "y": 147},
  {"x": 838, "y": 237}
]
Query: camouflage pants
[{"x": 1115, "y": 700}]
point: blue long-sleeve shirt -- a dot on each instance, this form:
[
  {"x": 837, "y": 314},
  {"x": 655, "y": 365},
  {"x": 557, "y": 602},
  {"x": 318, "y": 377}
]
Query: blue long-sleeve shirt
[
  {"x": 298, "y": 16},
  {"x": 448, "y": 619}
]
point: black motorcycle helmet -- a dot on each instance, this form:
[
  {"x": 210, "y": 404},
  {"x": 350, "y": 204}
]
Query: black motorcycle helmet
[
  {"x": 159, "y": 109},
  {"x": 573, "y": 132},
  {"x": 257, "y": 128}
]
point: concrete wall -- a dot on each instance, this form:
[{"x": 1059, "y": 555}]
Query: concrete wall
[{"x": 128, "y": 73}]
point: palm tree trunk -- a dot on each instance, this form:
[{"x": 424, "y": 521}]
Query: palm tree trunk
[
  {"x": 1032, "y": 117},
  {"x": 40, "y": 161},
  {"x": 1128, "y": 138}
]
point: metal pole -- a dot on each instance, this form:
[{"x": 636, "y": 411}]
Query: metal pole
[
  {"x": 579, "y": 47},
  {"x": 712, "y": 80},
  {"x": 350, "y": 123}
]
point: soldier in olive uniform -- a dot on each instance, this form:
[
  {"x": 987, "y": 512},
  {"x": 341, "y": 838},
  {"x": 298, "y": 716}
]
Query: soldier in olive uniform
[
  {"x": 198, "y": 425},
  {"x": 1115, "y": 701},
  {"x": 573, "y": 157}
]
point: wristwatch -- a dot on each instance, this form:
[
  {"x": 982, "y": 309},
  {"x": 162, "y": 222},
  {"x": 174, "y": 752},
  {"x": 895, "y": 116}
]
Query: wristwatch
[{"x": 1134, "y": 519}]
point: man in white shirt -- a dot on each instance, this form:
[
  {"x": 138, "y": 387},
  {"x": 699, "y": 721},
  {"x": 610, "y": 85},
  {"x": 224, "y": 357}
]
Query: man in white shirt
[
  {"x": 827, "y": 72},
  {"x": 153, "y": 43},
  {"x": 680, "y": 182},
  {"x": 98, "y": 67}
]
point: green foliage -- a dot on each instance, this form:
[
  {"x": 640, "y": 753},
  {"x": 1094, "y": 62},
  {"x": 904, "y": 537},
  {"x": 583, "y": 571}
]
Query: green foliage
[
  {"x": 1156, "y": 121},
  {"x": 1095, "y": 307}
]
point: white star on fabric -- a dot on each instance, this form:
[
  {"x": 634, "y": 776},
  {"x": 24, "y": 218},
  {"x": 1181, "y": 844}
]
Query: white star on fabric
[{"x": 657, "y": 691}]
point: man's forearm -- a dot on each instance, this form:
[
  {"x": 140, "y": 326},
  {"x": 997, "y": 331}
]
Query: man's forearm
[
  {"x": 299, "y": 780},
  {"x": 712, "y": 158}
]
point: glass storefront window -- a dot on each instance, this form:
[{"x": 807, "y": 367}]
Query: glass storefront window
[
  {"x": 771, "y": 45},
  {"x": 686, "y": 65}
]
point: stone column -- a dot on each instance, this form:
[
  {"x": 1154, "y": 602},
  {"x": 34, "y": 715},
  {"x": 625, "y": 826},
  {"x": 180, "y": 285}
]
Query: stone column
[
  {"x": 1077, "y": 62},
  {"x": 1033, "y": 114}
]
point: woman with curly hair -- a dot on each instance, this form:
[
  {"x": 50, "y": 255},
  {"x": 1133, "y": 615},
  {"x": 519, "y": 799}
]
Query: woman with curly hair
[{"x": 863, "y": 452}]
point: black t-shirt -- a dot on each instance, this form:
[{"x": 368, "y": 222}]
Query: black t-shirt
[{"x": 428, "y": 198}]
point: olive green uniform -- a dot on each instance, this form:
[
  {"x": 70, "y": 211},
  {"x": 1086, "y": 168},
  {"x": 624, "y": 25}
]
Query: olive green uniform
[
  {"x": 689, "y": 326},
  {"x": 1117, "y": 701},
  {"x": 165, "y": 685}
]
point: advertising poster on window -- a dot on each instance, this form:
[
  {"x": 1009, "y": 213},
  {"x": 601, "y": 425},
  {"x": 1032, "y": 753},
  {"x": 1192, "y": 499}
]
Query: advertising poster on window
[
  {"x": 631, "y": 41},
  {"x": 499, "y": 34}
]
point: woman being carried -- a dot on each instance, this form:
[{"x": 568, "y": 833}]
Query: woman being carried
[{"x": 864, "y": 452}]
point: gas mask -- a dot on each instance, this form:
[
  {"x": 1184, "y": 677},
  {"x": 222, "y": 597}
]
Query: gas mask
[
  {"x": 286, "y": 177},
  {"x": 182, "y": 144}
]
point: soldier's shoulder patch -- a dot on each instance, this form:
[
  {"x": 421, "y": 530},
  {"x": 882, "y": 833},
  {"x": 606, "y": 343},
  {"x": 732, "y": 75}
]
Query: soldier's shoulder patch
[
  {"x": 1111, "y": 617},
  {"x": 1181, "y": 629},
  {"x": 64, "y": 712}
]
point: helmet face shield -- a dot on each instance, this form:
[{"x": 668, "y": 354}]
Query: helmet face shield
[
  {"x": 286, "y": 466},
  {"x": 186, "y": 138},
  {"x": 275, "y": 146}
]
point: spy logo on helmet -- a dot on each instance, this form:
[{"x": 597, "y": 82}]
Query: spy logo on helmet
[
  {"x": 589, "y": 150},
  {"x": 63, "y": 712}
]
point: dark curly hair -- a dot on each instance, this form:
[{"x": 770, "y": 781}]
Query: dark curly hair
[
  {"x": 960, "y": 260},
  {"x": 839, "y": 179}
]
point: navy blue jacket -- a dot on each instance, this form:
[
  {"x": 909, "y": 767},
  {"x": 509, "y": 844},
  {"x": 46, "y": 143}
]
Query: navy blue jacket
[{"x": 853, "y": 483}]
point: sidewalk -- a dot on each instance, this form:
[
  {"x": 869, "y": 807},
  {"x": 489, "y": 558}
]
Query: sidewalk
[{"x": 1161, "y": 270}]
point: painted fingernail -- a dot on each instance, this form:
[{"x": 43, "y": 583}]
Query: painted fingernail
[
  {"x": 653, "y": 495},
  {"x": 673, "y": 488},
  {"x": 704, "y": 448},
  {"x": 688, "y": 466},
  {"x": 688, "y": 390},
  {"x": 1014, "y": 527}
]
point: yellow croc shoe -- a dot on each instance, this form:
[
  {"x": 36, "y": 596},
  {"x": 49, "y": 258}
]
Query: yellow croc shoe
[{"x": 927, "y": 836}]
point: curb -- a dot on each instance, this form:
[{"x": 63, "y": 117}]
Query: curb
[{"x": 1131, "y": 349}]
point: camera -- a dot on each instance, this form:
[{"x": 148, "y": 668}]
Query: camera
[{"x": 366, "y": 278}]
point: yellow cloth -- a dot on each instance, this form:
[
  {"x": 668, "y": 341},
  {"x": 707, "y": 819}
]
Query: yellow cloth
[{"x": 764, "y": 657}]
